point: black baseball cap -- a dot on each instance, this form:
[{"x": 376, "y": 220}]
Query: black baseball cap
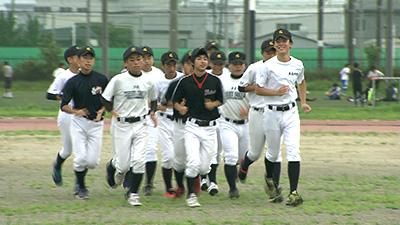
[
  {"x": 211, "y": 44},
  {"x": 198, "y": 51},
  {"x": 131, "y": 50},
  {"x": 237, "y": 57},
  {"x": 86, "y": 50},
  {"x": 169, "y": 57},
  {"x": 282, "y": 33},
  {"x": 186, "y": 56},
  {"x": 147, "y": 50},
  {"x": 267, "y": 45},
  {"x": 71, "y": 51},
  {"x": 218, "y": 57}
]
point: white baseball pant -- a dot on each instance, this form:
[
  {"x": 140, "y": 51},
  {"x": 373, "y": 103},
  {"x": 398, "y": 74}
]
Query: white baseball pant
[
  {"x": 235, "y": 140},
  {"x": 87, "y": 139},
  {"x": 129, "y": 142},
  {"x": 165, "y": 137},
  {"x": 286, "y": 124},
  {"x": 179, "y": 162},
  {"x": 152, "y": 143},
  {"x": 64, "y": 123}
]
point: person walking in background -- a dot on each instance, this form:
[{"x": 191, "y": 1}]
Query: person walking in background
[
  {"x": 8, "y": 74},
  {"x": 344, "y": 77},
  {"x": 356, "y": 77}
]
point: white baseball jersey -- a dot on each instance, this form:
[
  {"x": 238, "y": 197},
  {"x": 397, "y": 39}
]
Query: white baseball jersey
[
  {"x": 162, "y": 87},
  {"x": 155, "y": 74},
  {"x": 225, "y": 73},
  {"x": 130, "y": 95},
  {"x": 344, "y": 73},
  {"x": 273, "y": 74},
  {"x": 249, "y": 78},
  {"x": 233, "y": 99},
  {"x": 57, "y": 72},
  {"x": 64, "y": 119}
]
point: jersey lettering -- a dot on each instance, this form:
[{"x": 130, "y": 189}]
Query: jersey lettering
[
  {"x": 135, "y": 94},
  {"x": 97, "y": 90},
  {"x": 235, "y": 95},
  {"x": 209, "y": 92}
]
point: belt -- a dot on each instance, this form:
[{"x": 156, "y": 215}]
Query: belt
[
  {"x": 130, "y": 119},
  {"x": 203, "y": 123},
  {"x": 180, "y": 120},
  {"x": 236, "y": 121},
  {"x": 282, "y": 107},
  {"x": 258, "y": 109},
  {"x": 166, "y": 116},
  {"x": 92, "y": 117}
]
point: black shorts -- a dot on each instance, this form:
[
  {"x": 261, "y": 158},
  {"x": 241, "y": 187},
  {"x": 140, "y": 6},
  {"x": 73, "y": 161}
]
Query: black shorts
[{"x": 8, "y": 83}]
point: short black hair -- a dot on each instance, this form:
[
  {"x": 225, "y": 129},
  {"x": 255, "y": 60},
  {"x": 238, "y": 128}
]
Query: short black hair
[{"x": 356, "y": 65}]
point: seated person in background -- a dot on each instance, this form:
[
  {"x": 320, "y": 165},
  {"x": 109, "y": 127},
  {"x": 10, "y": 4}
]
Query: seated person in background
[
  {"x": 334, "y": 92},
  {"x": 392, "y": 94}
]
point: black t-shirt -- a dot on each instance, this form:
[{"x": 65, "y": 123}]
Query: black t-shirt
[
  {"x": 169, "y": 95},
  {"x": 357, "y": 77},
  {"x": 195, "y": 90},
  {"x": 85, "y": 90}
]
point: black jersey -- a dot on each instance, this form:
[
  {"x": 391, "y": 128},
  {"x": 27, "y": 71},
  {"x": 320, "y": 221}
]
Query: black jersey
[
  {"x": 169, "y": 96},
  {"x": 85, "y": 90},
  {"x": 195, "y": 90}
]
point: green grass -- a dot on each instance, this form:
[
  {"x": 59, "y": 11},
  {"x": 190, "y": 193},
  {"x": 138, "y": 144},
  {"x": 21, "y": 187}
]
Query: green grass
[{"x": 30, "y": 101}]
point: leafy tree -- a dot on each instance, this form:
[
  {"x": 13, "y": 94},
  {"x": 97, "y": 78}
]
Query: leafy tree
[
  {"x": 373, "y": 52},
  {"x": 119, "y": 37},
  {"x": 32, "y": 34},
  {"x": 10, "y": 35},
  {"x": 50, "y": 51}
]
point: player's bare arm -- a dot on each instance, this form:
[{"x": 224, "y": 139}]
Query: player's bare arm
[
  {"x": 182, "y": 109},
  {"x": 283, "y": 90},
  {"x": 153, "y": 108},
  {"x": 302, "y": 92},
  {"x": 162, "y": 108},
  {"x": 250, "y": 88},
  {"x": 100, "y": 114},
  {"x": 210, "y": 105},
  {"x": 78, "y": 112}
]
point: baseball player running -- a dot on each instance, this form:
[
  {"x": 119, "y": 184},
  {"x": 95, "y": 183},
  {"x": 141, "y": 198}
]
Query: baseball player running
[
  {"x": 202, "y": 94},
  {"x": 257, "y": 137},
  {"x": 233, "y": 126},
  {"x": 127, "y": 98},
  {"x": 64, "y": 119},
  {"x": 169, "y": 62},
  {"x": 217, "y": 63},
  {"x": 276, "y": 81},
  {"x": 87, "y": 123}
]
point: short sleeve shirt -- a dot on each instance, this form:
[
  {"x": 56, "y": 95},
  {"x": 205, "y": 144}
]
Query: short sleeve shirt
[{"x": 249, "y": 78}]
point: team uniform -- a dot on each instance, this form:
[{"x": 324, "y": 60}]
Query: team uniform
[
  {"x": 344, "y": 77},
  {"x": 86, "y": 134},
  {"x": 234, "y": 130}
]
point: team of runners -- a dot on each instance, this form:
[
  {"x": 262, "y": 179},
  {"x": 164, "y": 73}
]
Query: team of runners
[{"x": 198, "y": 117}]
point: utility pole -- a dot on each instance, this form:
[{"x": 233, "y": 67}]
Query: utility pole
[
  {"x": 246, "y": 30},
  {"x": 105, "y": 38},
  {"x": 320, "y": 33},
  {"x": 252, "y": 31},
  {"x": 350, "y": 31},
  {"x": 226, "y": 28},
  {"x": 379, "y": 7},
  {"x": 173, "y": 26},
  {"x": 389, "y": 38},
  {"x": 360, "y": 39},
  {"x": 214, "y": 8},
  {"x": 88, "y": 22}
]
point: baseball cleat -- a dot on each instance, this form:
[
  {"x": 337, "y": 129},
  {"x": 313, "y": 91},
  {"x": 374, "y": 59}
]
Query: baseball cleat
[
  {"x": 170, "y": 193},
  {"x": 119, "y": 178},
  {"x": 294, "y": 199},
  {"x": 179, "y": 192},
  {"x": 110, "y": 171},
  {"x": 148, "y": 190},
  {"x": 192, "y": 201},
  {"x": 213, "y": 189},
  {"x": 57, "y": 177},
  {"x": 269, "y": 187},
  {"x": 83, "y": 194},
  {"x": 203, "y": 184},
  {"x": 278, "y": 198},
  {"x": 234, "y": 193},
  {"x": 134, "y": 199},
  {"x": 76, "y": 189}
]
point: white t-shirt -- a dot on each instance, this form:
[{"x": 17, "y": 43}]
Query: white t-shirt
[
  {"x": 274, "y": 73},
  {"x": 155, "y": 74},
  {"x": 162, "y": 87},
  {"x": 59, "y": 82},
  {"x": 249, "y": 78},
  {"x": 225, "y": 73},
  {"x": 375, "y": 73},
  {"x": 130, "y": 95},
  {"x": 344, "y": 73},
  {"x": 234, "y": 100},
  {"x": 58, "y": 71},
  {"x": 8, "y": 71}
]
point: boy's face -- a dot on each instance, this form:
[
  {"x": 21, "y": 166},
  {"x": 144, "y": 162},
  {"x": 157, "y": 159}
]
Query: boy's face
[
  {"x": 237, "y": 68},
  {"x": 170, "y": 68},
  {"x": 73, "y": 60},
  {"x": 86, "y": 62},
  {"x": 217, "y": 68},
  {"x": 269, "y": 54},
  {"x": 148, "y": 62},
  {"x": 188, "y": 67},
  {"x": 200, "y": 63},
  {"x": 282, "y": 45},
  {"x": 134, "y": 63}
]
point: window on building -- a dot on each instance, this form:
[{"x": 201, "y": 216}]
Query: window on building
[
  {"x": 65, "y": 9},
  {"x": 289, "y": 26},
  {"x": 43, "y": 9},
  {"x": 81, "y": 10}
]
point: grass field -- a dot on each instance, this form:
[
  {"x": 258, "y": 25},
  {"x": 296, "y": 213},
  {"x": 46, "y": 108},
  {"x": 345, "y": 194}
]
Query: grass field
[{"x": 30, "y": 101}]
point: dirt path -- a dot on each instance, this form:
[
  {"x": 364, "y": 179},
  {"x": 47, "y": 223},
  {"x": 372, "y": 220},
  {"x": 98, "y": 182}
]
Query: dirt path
[{"x": 306, "y": 125}]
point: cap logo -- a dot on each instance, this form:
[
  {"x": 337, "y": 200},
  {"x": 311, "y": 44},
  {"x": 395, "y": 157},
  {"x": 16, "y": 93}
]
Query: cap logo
[
  {"x": 213, "y": 43},
  {"x": 219, "y": 56},
  {"x": 145, "y": 49},
  {"x": 271, "y": 43},
  {"x": 190, "y": 53},
  {"x": 237, "y": 55},
  {"x": 280, "y": 31},
  {"x": 88, "y": 48},
  {"x": 133, "y": 49},
  {"x": 171, "y": 55},
  {"x": 77, "y": 47}
]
